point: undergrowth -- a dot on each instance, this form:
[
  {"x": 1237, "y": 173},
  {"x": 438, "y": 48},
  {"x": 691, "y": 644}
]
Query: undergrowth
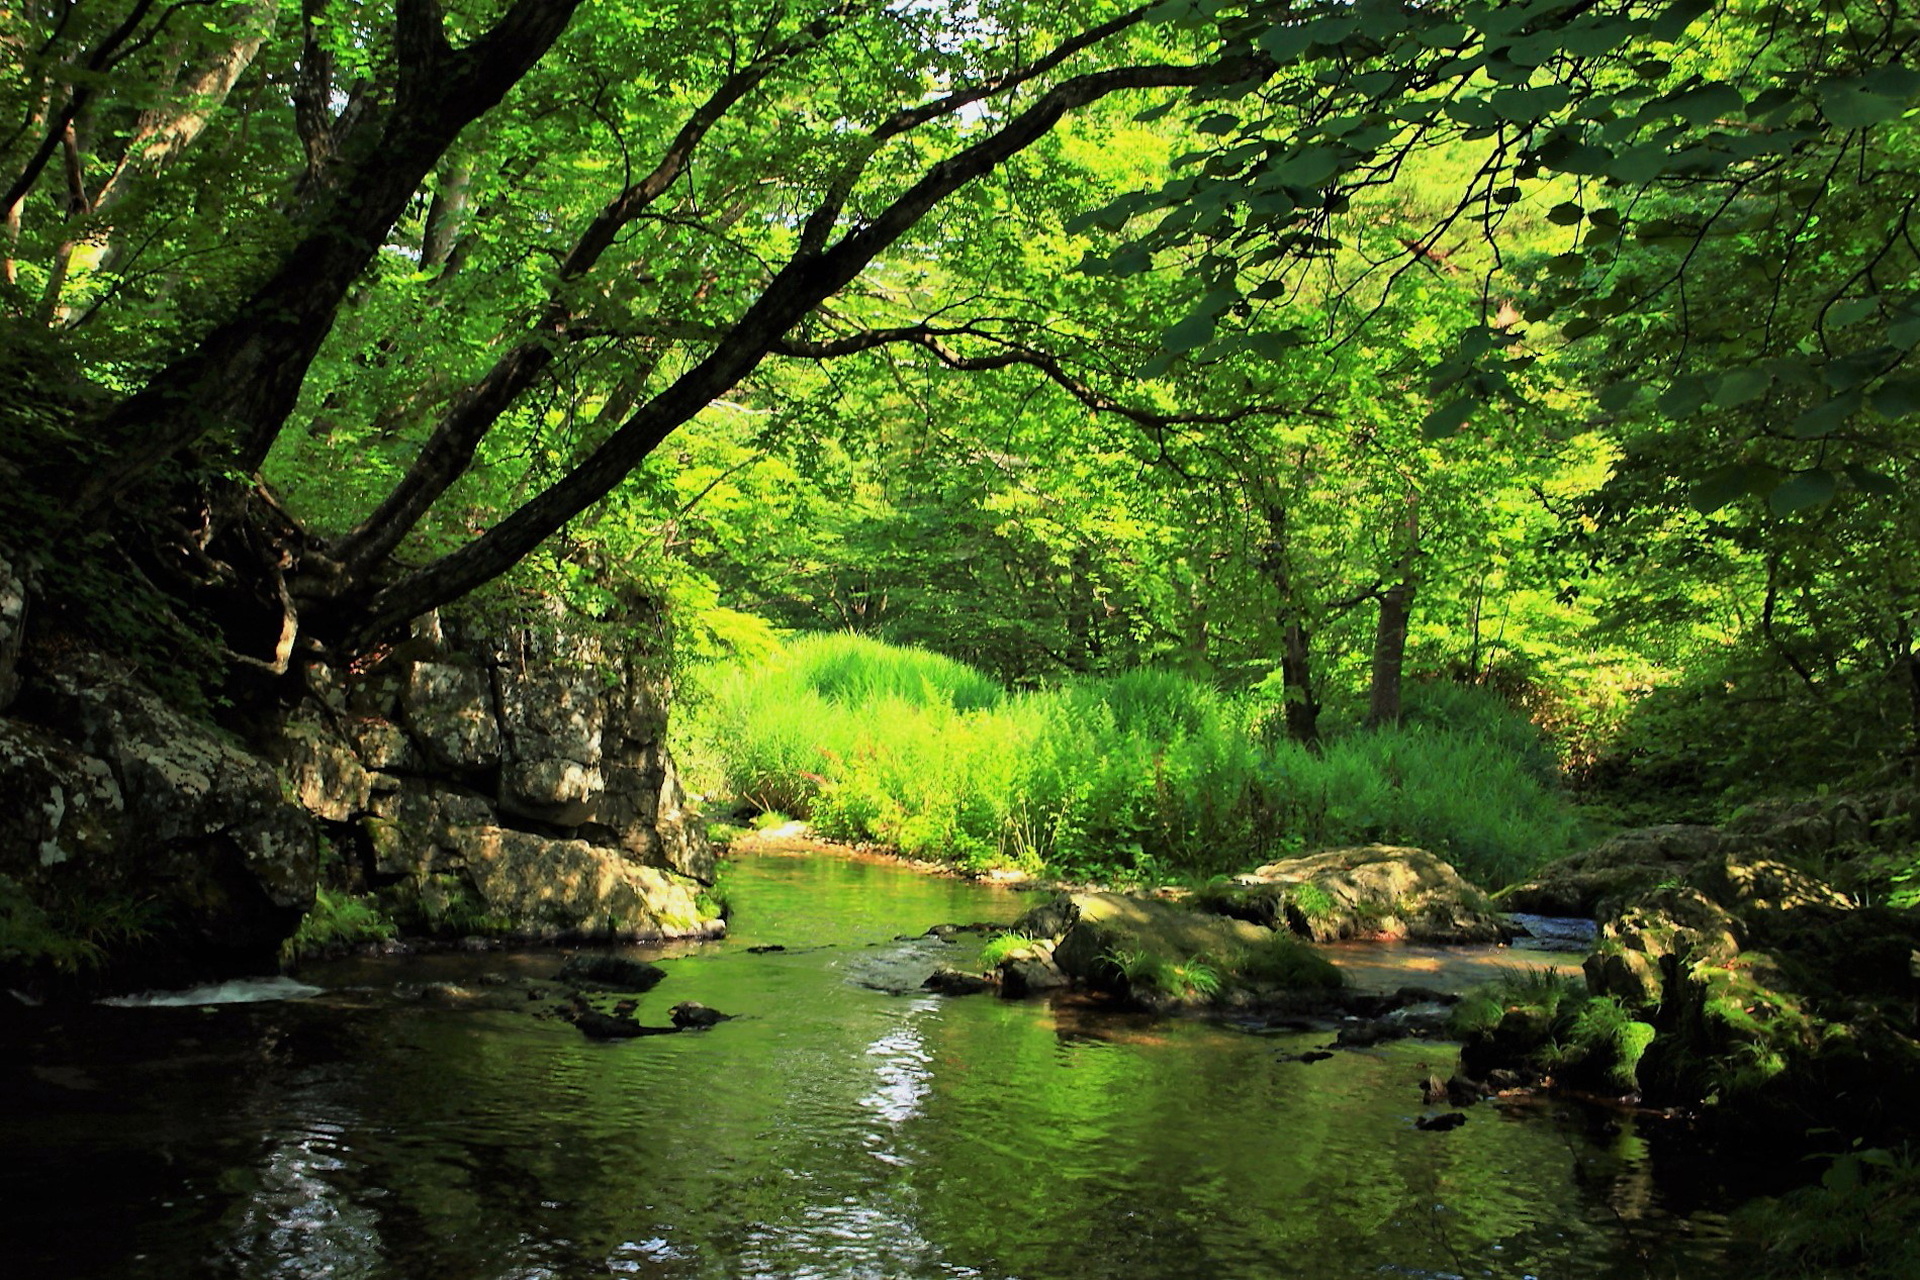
[
  {"x": 337, "y": 920},
  {"x": 1145, "y": 776}
]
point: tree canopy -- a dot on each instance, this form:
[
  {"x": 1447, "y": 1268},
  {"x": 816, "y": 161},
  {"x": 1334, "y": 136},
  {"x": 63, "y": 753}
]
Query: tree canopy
[{"x": 1274, "y": 340}]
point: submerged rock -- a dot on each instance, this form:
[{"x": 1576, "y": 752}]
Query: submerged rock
[{"x": 610, "y": 972}]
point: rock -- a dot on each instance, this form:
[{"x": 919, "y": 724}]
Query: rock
[
  {"x": 15, "y": 586},
  {"x": 1373, "y": 891},
  {"x": 952, "y": 982},
  {"x": 614, "y": 973},
  {"x": 1362, "y": 1035},
  {"x": 448, "y": 710},
  {"x": 1598, "y": 883},
  {"x": 1106, "y": 930},
  {"x": 115, "y": 798},
  {"x": 1441, "y": 1123},
  {"x": 323, "y": 770},
  {"x": 691, "y": 1015},
  {"x": 765, "y": 949},
  {"x": 595, "y": 1025},
  {"x": 1031, "y": 971},
  {"x": 541, "y": 887}
]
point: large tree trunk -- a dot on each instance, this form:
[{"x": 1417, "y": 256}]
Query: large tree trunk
[{"x": 241, "y": 380}]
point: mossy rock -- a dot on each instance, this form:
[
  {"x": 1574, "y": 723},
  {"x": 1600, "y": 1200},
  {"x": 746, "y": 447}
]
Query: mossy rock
[
  {"x": 1371, "y": 891},
  {"x": 1165, "y": 954}
]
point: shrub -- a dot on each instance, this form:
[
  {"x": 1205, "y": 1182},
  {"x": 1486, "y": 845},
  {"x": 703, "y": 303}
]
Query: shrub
[{"x": 1002, "y": 945}]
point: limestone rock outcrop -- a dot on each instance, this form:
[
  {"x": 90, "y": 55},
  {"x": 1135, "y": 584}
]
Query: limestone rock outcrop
[
  {"x": 144, "y": 821},
  {"x": 518, "y": 785}
]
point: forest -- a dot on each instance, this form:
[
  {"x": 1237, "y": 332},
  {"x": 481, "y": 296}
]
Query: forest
[{"x": 1100, "y": 442}]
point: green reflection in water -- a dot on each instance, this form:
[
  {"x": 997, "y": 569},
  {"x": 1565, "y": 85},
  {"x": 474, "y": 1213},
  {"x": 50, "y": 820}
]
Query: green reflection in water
[{"x": 830, "y": 1130}]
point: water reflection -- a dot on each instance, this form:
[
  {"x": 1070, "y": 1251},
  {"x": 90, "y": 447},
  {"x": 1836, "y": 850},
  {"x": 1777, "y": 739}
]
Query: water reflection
[
  {"x": 829, "y": 1130},
  {"x": 296, "y": 1221}
]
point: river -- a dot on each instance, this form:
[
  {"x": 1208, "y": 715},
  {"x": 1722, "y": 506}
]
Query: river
[{"x": 385, "y": 1127}]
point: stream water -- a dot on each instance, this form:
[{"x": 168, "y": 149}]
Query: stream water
[{"x": 385, "y": 1127}]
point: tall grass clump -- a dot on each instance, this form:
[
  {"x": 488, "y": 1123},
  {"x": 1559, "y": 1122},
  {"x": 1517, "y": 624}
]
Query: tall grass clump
[
  {"x": 1151, "y": 774},
  {"x": 1464, "y": 795}
]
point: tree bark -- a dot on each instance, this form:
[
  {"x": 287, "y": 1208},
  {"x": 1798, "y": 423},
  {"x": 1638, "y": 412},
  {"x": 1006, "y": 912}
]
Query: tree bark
[
  {"x": 242, "y": 379},
  {"x": 1390, "y": 634}
]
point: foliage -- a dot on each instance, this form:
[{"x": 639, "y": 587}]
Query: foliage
[
  {"x": 335, "y": 922},
  {"x": 1151, "y": 774},
  {"x": 1549, "y": 1021},
  {"x": 29, "y": 937},
  {"x": 1860, "y": 1220},
  {"x": 1002, "y": 945}
]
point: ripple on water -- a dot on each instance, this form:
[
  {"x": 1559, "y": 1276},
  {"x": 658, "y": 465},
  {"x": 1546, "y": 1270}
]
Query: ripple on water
[{"x": 830, "y": 1130}]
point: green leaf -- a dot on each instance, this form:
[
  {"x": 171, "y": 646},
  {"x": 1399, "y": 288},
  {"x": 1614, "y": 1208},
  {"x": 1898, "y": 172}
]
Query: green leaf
[
  {"x": 1826, "y": 417},
  {"x": 1873, "y": 481},
  {"x": 1192, "y": 332},
  {"x": 1442, "y": 35},
  {"x": 1848, "y": 107},
  {"x": 1737, "y": 386},
  {"x": 1311, "y": 168},
  {"x": 1707, "y": 103},
  {"x": 1853, "y": 311},
  {"x": 1683, "y": 398},
  {"x": 1801, "y": 490},
  {"x": 1566, "y": 214},
  {"x": 1618, "y": 396},
  {"x": 1726, "y": 484},
  {"x": 1896, "y": 398},
  {"x": 1905, "y": 330},
  {"x": 1447, "y": 419}
]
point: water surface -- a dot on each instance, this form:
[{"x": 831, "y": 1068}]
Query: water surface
[{"x": 390, "y": 1128}]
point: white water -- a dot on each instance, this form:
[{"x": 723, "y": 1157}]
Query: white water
[{"x": 239, "y": 991}]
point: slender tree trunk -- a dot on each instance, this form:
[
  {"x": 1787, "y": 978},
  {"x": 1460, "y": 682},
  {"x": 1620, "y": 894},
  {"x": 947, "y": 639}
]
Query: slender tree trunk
[
  {"x": 1390, "y": 634},
  {"x": 1302, "y": 708}
]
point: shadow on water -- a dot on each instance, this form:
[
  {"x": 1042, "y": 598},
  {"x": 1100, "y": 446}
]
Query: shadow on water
[{"x": 830, "y": 1130}]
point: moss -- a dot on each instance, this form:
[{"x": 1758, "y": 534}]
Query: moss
[{"x": 1286, "y": 964}]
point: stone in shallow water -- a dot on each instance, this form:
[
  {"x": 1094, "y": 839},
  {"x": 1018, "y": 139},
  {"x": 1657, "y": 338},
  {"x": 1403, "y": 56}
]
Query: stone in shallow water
[{"x": 615, "y": 973}]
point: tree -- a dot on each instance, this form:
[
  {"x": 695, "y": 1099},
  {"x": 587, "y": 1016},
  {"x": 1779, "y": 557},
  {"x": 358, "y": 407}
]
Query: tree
[{"x": 689, "y": 270}]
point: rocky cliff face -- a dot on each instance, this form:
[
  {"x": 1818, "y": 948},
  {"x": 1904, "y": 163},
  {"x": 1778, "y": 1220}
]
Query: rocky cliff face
[{"x": 519, "y": 787}]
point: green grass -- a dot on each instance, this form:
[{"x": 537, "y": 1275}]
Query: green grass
[
  {"x": 1149, "y": 776},
  {"x": 1002, "y": 945}
]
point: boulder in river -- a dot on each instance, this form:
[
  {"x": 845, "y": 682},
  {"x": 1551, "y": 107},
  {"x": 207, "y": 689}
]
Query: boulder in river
[
  {"x": 1164, "y": 954},
  {"x": 1368, "y": 891},
  {"x": 691, "y": 1015},
  {"x": 954, "y": 982}
]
